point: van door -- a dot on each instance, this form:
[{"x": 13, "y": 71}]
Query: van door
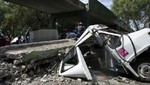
[{"x": 74, "y": 65}]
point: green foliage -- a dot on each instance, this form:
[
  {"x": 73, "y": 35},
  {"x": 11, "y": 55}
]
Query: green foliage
[
  {"x": 135, "y": 11},
  {"x": 15, "y": 19}
]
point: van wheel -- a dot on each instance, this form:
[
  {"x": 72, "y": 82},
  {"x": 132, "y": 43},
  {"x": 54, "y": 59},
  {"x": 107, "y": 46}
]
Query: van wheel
[{"x": 142, "y": 67}]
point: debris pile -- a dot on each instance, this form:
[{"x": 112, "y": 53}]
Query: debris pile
[
  {"x": 45, "y": 72},
  {"x": 37, "y": 71}
]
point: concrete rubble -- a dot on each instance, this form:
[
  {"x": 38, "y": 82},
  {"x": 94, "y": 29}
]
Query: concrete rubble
[
  {"x": 44, "y": 71},
  {"x": 11, "y": 74},
  {"x": 26, "y": 74}
]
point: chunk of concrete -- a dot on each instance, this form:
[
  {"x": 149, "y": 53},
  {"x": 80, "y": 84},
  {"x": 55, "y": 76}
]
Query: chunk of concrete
[{"x": 35, "y": 50}]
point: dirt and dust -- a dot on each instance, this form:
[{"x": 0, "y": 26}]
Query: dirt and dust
[{"x": 45, "y": 72}]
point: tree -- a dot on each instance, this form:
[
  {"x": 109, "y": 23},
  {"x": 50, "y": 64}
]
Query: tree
[
  {"x": 16, "y": 19},
  {"x": 133, "y": 13}
]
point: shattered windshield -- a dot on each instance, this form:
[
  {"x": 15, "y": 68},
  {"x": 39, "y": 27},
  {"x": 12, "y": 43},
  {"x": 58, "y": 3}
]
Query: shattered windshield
[{"x": 112, "y": 41}]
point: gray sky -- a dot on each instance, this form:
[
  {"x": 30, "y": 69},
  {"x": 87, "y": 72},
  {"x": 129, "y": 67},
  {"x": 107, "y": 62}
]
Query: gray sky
[{"x": 107, "y": 3}]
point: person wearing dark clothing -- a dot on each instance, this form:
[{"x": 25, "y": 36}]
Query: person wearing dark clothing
[
  {"x": 80, "y": 29},
  {"x": 27, "y": 35},
  {"x": 71, "y": 35},
  {"x": 63, "y": 33}
]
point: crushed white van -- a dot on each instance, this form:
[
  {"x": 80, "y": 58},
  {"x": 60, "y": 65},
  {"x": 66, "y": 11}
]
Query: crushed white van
[{"x": 108, "y": 49}]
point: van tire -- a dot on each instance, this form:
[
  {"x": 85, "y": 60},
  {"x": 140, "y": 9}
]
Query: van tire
[{"x": 142, "y": 67}]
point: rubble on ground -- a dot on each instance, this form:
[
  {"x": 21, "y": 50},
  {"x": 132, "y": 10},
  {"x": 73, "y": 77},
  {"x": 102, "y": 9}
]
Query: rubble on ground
[
  {"x": 12, "y": 72},
  {"x": 44, "y": 71}
]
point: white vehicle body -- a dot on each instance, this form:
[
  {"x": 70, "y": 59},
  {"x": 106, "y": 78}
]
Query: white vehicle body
[{"x": 127, "y": 48}]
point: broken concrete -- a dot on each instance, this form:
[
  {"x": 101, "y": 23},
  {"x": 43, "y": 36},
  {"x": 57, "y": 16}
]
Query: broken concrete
[
  {"x": 44, "y": 71},
  {"x": 41, "y": 73},
  {"x": 30, "y": 51}
]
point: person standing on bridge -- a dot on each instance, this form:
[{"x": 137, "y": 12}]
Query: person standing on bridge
[{"x": 80, "y": 29}]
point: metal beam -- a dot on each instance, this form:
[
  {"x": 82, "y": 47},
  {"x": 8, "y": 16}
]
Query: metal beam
[
  {"x": 95, "y": 13},
  {"x": 51, "y": 6}
]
